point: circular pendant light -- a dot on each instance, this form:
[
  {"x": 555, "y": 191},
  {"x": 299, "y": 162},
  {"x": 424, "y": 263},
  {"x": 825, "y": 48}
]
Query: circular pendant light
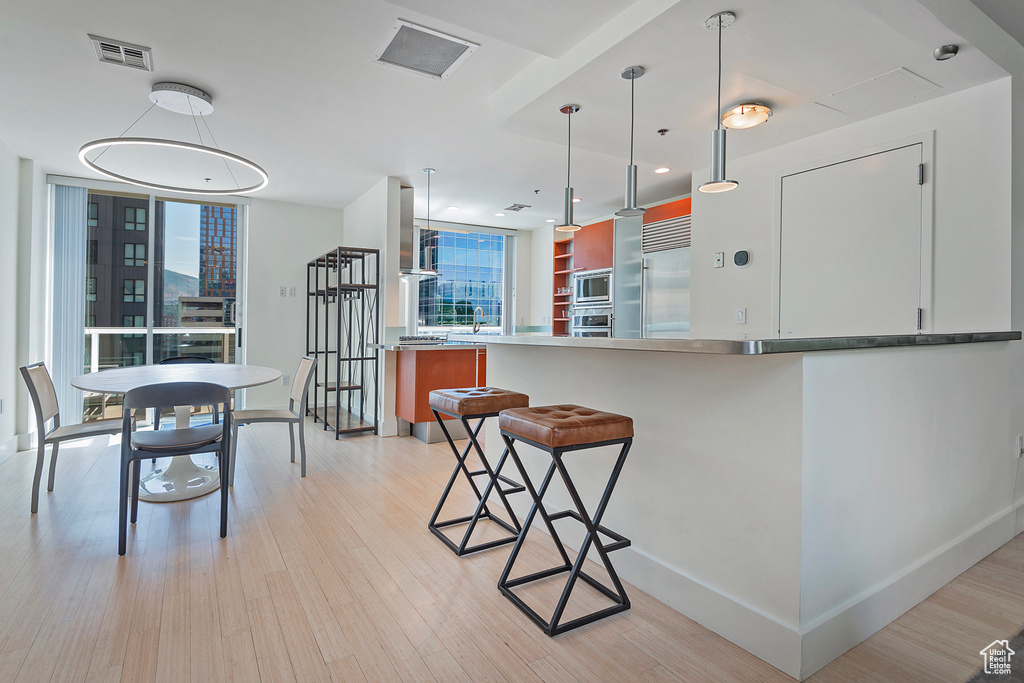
[{"x": 190, "y": 101}]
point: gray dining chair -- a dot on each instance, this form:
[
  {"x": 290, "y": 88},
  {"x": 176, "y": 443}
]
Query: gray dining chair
[
  {"x": 137, "y": 446},
  {"x": 44, "y": 400},
  {"x": 293, "y": 415}
]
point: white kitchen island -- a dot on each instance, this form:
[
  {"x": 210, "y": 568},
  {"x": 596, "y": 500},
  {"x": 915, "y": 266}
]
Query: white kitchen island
[{"x": 793, "y": 500}]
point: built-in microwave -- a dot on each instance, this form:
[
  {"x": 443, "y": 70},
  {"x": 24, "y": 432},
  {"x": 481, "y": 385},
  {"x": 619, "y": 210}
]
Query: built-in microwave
[{"x": 593, "y": 287}]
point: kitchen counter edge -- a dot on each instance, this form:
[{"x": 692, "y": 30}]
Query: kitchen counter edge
[
  {"x": 742, "y": 347},
  {"x": 444, "y": 346}
]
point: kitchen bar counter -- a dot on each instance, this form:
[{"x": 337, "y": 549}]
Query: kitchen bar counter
[
  {"x": 792, "y": 501},
  {"x": 752, "y": 347}
]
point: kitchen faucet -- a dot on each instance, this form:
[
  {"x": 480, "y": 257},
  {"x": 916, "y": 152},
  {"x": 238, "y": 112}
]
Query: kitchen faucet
[{"x": 476, "y": 323}]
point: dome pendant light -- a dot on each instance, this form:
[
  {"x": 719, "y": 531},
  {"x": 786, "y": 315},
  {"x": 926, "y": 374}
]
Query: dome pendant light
[
  {"x": 567, "y": 225},
  {"x": 718, "y": 183},
  {"x": 632, "y": 73}
]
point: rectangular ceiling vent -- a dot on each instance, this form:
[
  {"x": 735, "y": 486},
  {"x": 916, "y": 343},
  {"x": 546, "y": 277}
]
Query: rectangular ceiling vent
[
  {"x": 517, "y": 207},
  {"x": 669, "y": 234},
  {"x": 121, "y": 53},
  {"x": 423, "y": 50}
]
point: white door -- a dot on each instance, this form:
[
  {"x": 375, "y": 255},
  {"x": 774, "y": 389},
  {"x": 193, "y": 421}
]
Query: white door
[{"x": 851, "y": 247}]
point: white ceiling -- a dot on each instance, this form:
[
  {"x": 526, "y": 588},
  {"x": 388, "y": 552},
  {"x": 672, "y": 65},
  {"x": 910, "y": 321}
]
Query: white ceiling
[{"x": 296, "y": 91}]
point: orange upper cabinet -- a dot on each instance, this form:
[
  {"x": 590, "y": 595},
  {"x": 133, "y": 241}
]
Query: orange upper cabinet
[
  {"x": 663, "y": 212},
  {"x": 592, "y": 246}
]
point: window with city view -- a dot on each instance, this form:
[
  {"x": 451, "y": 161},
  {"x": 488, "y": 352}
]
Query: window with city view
[
  {"x": 177, "y": 265},
  {"x": 470, "y": 268}
]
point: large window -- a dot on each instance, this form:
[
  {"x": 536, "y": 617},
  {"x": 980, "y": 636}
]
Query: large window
[
  {"x": 471, "y": 277},
  {"x": 160, "y": 283}
]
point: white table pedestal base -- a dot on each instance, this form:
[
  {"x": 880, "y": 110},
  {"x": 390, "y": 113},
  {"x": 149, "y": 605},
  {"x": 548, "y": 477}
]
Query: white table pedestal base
[{"x": 182, "y": 479}]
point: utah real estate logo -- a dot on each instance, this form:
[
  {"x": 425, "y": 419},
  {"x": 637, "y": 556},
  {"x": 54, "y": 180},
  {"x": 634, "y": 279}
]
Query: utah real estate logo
[{"x": 997, "y": 657}]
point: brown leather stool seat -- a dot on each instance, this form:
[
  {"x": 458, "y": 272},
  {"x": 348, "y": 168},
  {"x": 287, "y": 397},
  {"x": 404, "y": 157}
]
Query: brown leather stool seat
[
  {"x": 564, "y": 425},
  {"x": 474, "y": 401},
  {"x": 559, "y": 430}
]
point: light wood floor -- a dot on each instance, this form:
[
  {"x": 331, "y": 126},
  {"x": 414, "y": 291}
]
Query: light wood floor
[{"x": 335, "y": 577}]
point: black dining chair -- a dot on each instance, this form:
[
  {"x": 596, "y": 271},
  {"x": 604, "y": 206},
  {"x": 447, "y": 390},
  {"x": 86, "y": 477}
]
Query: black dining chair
[{"x": 137, "y": 446}]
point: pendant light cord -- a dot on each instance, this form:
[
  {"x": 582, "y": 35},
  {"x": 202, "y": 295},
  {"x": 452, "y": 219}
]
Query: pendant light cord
[
  {"x": 125, "y": 131},
  {"x": 718, "y": 113},
  {"x": 632, "y": 110},
  {"x": 428, "y": 200},
  {"x": 568, "y": 155}
]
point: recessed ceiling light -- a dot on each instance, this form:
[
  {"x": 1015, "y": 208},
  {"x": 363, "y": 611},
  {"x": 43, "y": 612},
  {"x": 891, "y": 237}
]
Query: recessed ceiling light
[
  {"x": 453, "y": 208},
  {"x": 576, "y": 200},
  {"x": 663, "y": 169},
  {"x": 499, "y": 214},
  {"x": 550, "y": 220}
]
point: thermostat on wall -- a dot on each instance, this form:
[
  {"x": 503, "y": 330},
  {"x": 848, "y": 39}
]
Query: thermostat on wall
[{"x": 741, "y": 258}]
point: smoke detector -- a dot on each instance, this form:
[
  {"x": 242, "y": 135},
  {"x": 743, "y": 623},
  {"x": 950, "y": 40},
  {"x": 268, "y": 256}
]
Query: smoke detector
[
  {"x": 423, "y": 50},
  {"x": 118, "y": 52}
]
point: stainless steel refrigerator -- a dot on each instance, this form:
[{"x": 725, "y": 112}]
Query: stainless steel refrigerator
[{"x": 665, "y": 294}]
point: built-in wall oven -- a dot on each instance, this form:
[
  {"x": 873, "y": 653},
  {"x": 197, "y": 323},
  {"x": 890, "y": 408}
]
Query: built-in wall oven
[
  {"x": 592, "y": 287},
  {"x": 592, "y": 321}
]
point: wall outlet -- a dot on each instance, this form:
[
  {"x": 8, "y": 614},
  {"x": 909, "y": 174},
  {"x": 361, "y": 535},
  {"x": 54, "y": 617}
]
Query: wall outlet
[
  {"x": 719, "y": 259},
  {"x": 741, "y": 316},
  {"x": 284, "y": 380},
  {"x": 282, "y": 291},
  {"x": 291, "y": 292}
]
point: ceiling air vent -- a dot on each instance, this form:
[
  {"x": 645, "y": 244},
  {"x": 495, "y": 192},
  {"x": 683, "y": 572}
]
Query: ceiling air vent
[
  {"x": 424, "y": 51},
  {"x": 517, "y": 207},
  {"x": 124, "y": 54},
  {"x": 670, "y": 234}
]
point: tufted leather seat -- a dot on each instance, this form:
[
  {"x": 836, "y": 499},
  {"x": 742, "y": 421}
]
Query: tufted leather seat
[
  {"x": 476, "y": 400},
  {"x": 564, "y": 425}
]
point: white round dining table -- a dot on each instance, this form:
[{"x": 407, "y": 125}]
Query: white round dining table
[{"x": 182, "y": 478}]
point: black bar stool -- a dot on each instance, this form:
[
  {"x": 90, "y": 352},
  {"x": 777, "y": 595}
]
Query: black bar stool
[
  {"x": 558, "y": 430},
  {"x": 476, "y": 403}
]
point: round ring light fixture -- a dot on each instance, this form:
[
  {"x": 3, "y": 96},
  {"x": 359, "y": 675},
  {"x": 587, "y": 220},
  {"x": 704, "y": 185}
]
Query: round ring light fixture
[{"x": 189, "y": 101}]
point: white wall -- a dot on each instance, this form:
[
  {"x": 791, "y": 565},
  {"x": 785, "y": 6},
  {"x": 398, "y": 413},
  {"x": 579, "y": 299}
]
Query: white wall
[
  {"x": 971, "y": 216},
  {"x": 542, "y": 278},
  {"x": 372, "y": 222},
  {"x": 282, "y": 238},
  {"x": 9, "y": 196},
  {"x": 522, "y": 294}
]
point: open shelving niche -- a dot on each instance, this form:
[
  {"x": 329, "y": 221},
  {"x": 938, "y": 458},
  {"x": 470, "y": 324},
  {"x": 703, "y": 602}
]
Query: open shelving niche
[
  {"x": 342, "y": 321},
  {"x": 561, "y": 304}
]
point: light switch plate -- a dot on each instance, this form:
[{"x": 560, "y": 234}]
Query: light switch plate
[
  {"x": 719, "y": 259},
  {"x": 291, "y": 291},
  {"x": 741, "y": 316},
  {"x": 282, "y": 291}
]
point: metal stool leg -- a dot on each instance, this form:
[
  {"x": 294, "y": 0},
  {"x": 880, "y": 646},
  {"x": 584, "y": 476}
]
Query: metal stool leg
[
  {"x": 494, "y": 480},
  {"x": 592, "y": 538}
]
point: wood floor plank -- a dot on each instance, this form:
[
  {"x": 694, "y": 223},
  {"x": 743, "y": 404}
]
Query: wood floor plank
[{"x": 335, "y": 577}]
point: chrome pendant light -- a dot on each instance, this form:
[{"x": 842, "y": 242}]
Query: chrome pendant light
[
  {"x": 631, "y": 209},
  {"x": 567, "y": 225},
  {"x": 718, "y": 182},
  {"x": 425, "y": 268}
]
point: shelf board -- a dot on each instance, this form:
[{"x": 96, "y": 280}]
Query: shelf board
[
  {"x": 561, "y": 320},
  {"x": 565, "y": 241},
  {"x": 331, "y": 386},
  {"x": 564, "y": 272},
  {"x": 569, "y": 255},
  {"x": 347, "y": 422},
  {"x": 563, "y": 294}
]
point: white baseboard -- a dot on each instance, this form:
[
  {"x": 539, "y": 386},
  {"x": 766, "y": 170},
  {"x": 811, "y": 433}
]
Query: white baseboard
[
  {"x": 8, "y": 448},
  {"x": 844, "y": 628},
  {"x": 802, "y": 652},
  {"x": 756, "y": 632}
]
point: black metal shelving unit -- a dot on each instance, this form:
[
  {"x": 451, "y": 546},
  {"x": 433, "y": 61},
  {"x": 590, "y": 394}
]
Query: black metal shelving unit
[{"x": 342, "y": 321}]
